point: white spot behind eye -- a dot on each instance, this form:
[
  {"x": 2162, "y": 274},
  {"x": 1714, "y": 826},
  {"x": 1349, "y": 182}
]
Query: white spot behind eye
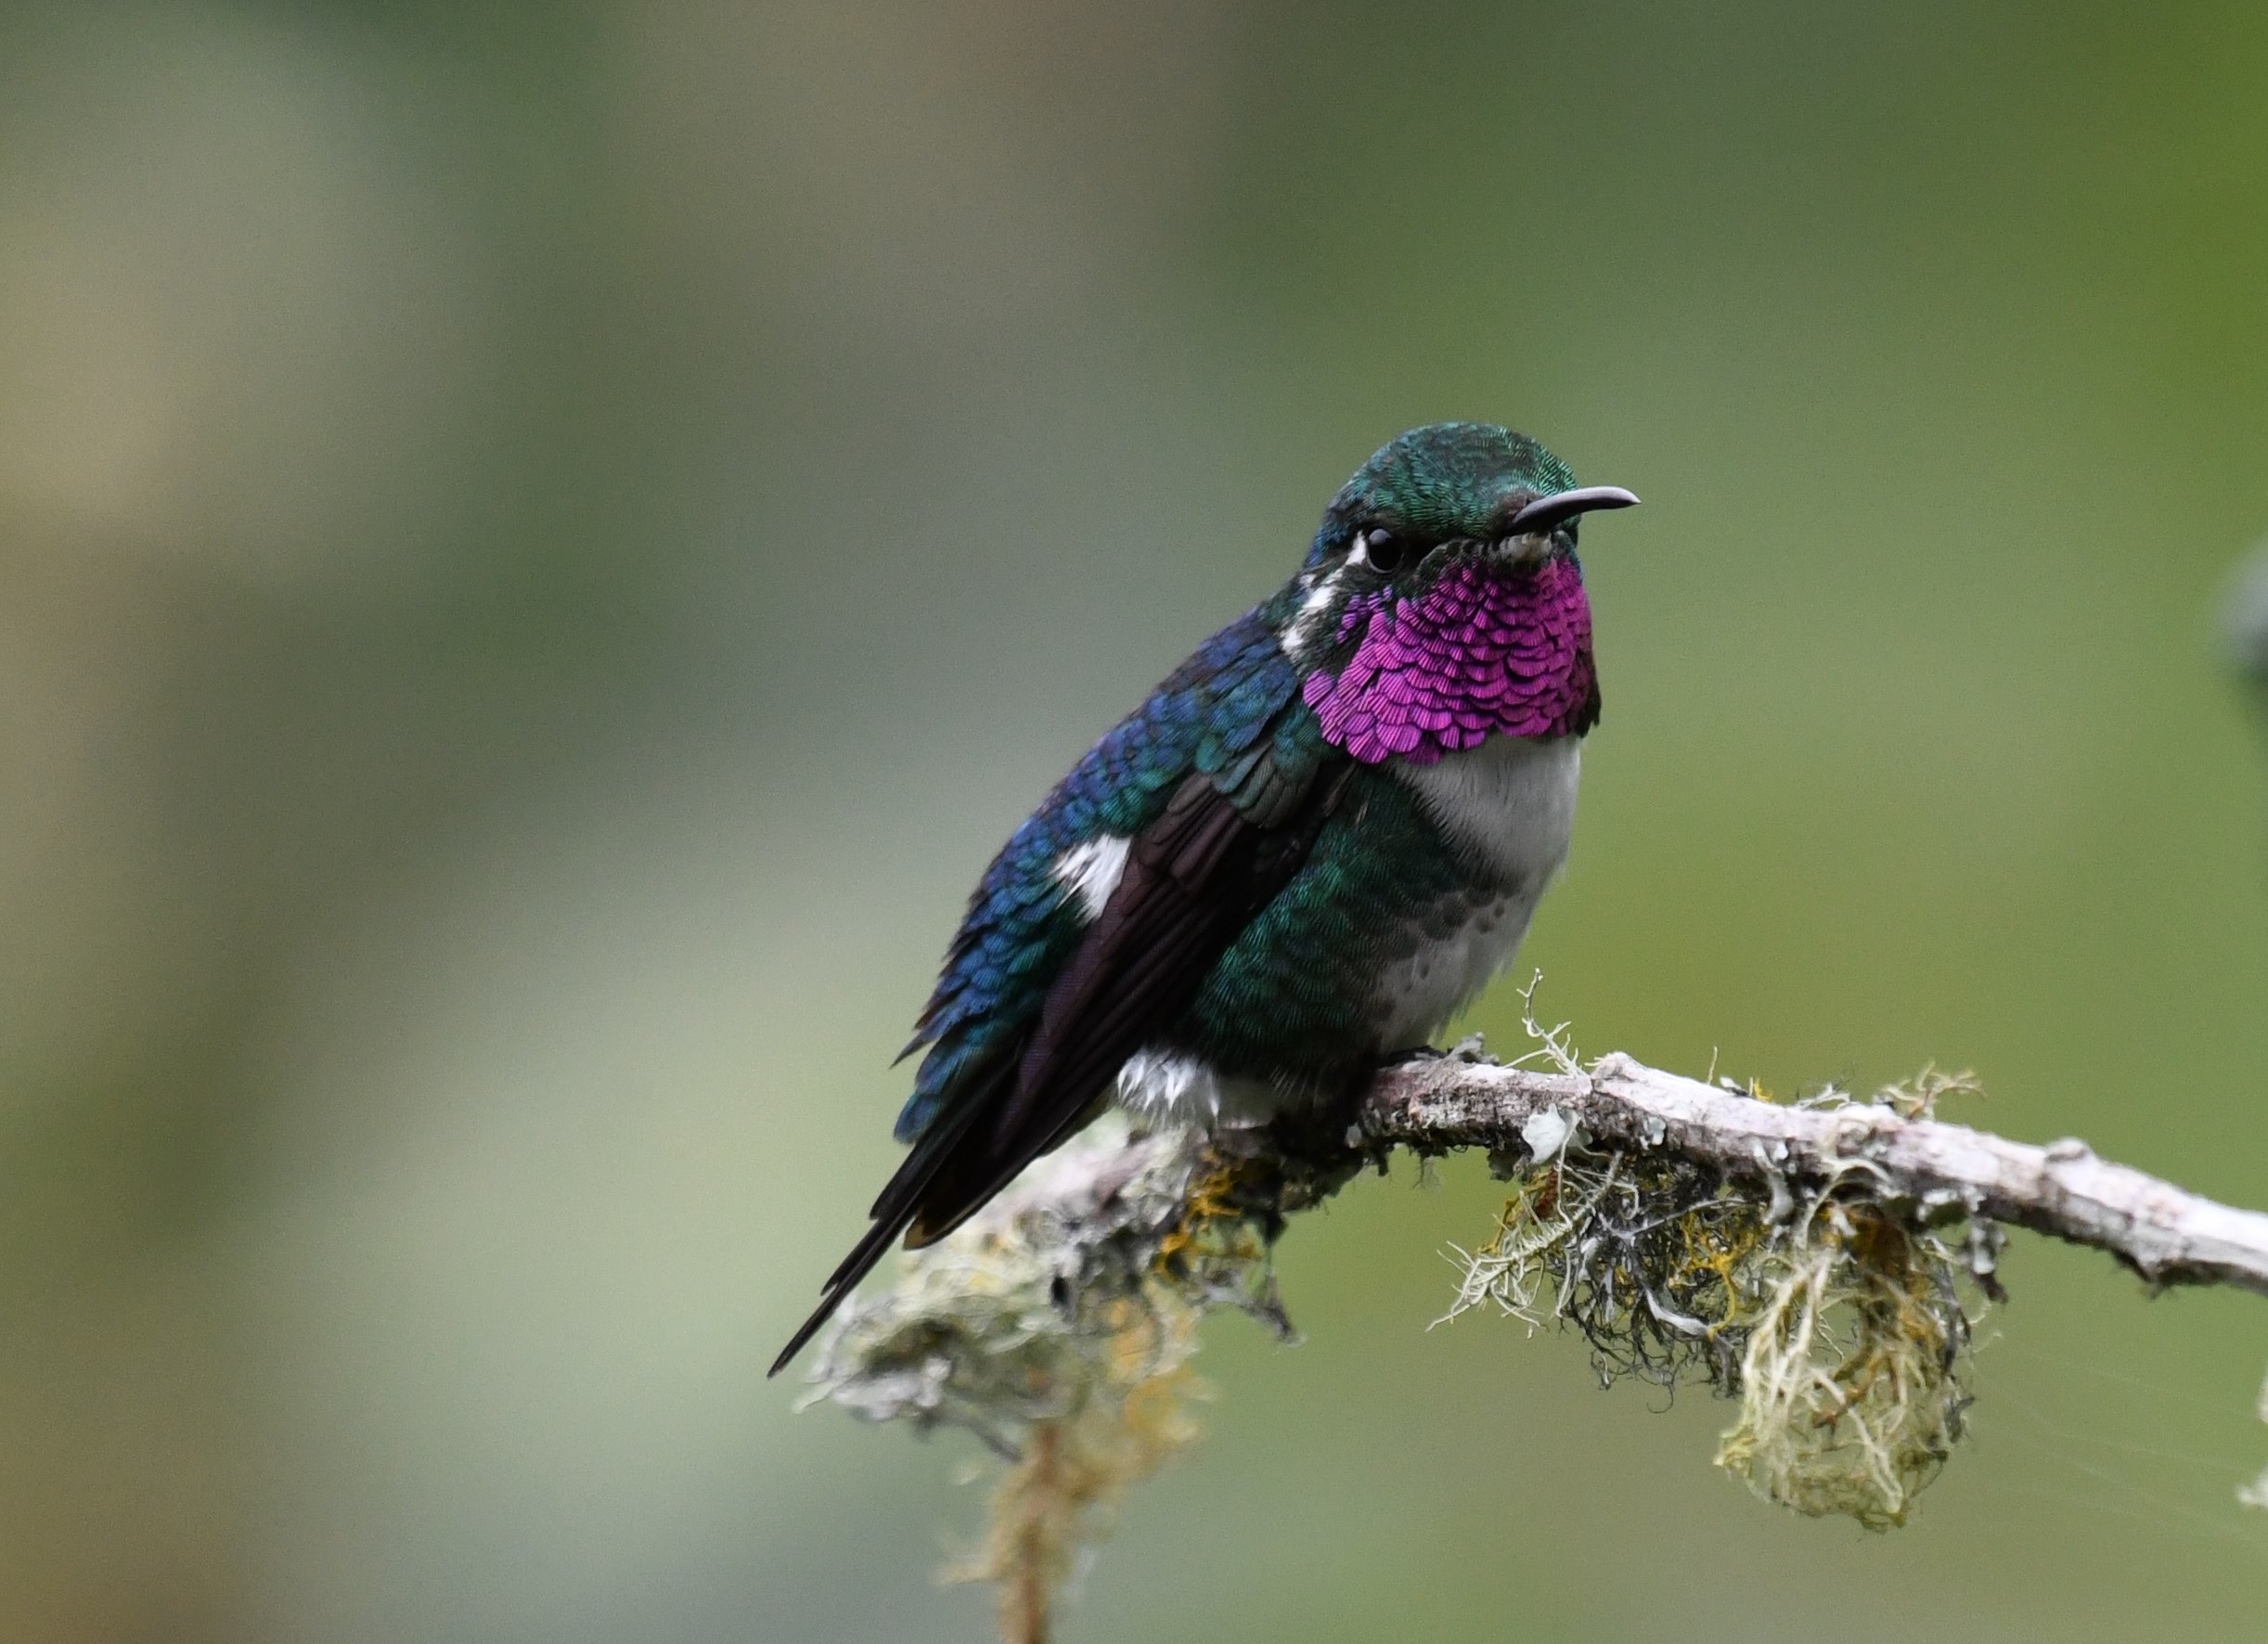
[
  {"x": 1360, "y": 553},
  {"x": 1306, "y": 628}
]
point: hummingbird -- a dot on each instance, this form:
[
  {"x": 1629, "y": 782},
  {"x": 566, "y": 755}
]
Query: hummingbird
[{"x": 1312, "y": 846}]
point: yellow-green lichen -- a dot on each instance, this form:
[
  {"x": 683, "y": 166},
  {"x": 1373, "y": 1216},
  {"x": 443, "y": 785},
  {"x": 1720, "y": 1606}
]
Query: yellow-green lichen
[
  {"x": 1057, "y": 1327},
  {"x": 1831, "y": 1313}
]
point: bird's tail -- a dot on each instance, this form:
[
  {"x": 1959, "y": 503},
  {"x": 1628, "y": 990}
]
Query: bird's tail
[
  {"x": 856, "y": 1267},
  {"x": 954, "y": 1169},
  {"x": 949, "y": 1175}
]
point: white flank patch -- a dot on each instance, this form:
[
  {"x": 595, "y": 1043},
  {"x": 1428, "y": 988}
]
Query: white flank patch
[
  {"x": 1162, "y": 1087},
  {"x": 1090, "y": 871}
]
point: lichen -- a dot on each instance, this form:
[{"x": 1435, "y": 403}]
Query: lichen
[
  {"x": 1058, "y": 1324},
  {"x": 1057, "y": 1327},
  {"x": 1830, "y": 1312}
]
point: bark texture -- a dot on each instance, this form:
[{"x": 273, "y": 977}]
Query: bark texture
[{"x": 2167, "y": 1235}]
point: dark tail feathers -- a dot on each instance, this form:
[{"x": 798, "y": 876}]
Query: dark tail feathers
[{"x": 953, "y": 1170}]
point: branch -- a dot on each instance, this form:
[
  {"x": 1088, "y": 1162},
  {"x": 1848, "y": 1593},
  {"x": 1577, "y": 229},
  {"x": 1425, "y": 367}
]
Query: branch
[
  {"x": 1810, "y": 1260},
  {"x": 2167, "y": 1235}
]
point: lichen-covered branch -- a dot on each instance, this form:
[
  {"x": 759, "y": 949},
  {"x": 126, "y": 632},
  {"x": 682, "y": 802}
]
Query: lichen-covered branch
[
  {"x": 1816, "y": 1261},
  {"x": 1945, "y": 1172}
]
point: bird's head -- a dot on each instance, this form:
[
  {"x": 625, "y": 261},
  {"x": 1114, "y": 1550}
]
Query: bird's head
[{"x": 1441, "y": 602}]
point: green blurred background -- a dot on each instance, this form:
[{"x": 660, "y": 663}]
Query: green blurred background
[{"x": 545, "y": 545}]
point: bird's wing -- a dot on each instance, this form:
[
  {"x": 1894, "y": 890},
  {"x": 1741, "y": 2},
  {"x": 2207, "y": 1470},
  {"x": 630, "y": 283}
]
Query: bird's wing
[
  {"x": 1193, "y": 879},
  {"x": 1025, "y": 919},
  {"x": 1217, "y": 785}
]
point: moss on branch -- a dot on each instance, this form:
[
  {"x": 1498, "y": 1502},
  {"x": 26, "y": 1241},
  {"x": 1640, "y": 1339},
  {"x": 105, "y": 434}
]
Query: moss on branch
[{"x": 1819, "y": 1261}]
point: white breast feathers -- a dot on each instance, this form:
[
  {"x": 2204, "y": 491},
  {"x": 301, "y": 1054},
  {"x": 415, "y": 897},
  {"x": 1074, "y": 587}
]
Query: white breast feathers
[{"x": 1510, "y": 802}]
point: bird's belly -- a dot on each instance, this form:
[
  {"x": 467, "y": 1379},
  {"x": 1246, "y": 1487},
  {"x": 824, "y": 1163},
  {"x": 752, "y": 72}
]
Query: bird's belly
[
  {"x": 1448, "y": 960},
  {"x": 1507, "y": 808}
]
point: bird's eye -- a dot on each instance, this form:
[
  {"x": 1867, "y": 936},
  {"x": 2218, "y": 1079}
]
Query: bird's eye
[{"x": 1380, "y": 549}]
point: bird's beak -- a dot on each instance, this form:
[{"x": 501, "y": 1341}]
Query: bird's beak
[{"x": 1540, "y": 516}]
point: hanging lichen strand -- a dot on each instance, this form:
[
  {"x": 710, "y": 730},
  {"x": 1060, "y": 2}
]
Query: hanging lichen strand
[
  {"x": 1834, "y": 1320},
  {"x": 1833, "y": 1313},
  {"x": 1057, "y": 1327}
]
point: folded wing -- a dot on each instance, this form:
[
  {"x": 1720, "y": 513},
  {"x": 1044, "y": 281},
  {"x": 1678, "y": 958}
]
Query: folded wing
[{"x": 1231, "y": 786}]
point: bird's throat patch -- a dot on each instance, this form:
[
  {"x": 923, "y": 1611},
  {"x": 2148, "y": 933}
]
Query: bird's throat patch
[{"x": 1482, "y": 652}]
